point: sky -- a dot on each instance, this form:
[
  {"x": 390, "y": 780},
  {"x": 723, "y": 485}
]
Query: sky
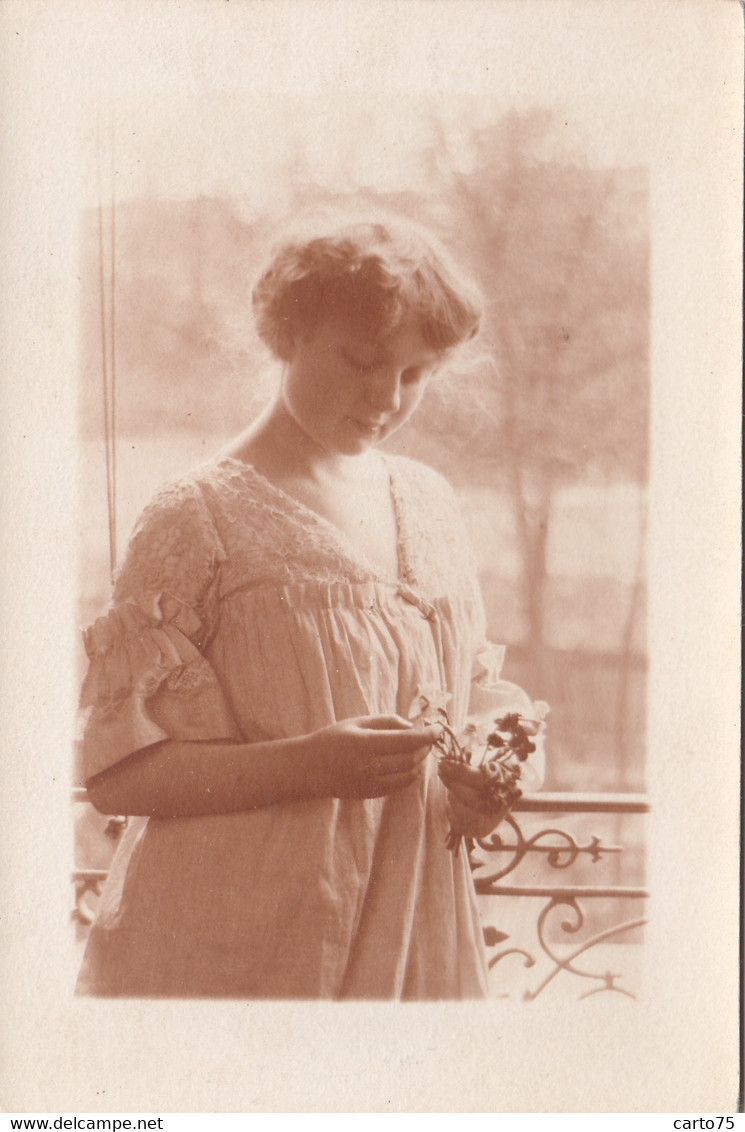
[{"x": 242, "y": 146}]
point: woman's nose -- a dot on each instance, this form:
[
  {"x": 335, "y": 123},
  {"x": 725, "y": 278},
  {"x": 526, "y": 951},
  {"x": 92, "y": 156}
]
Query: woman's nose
[{"x": 384, "y": 392}]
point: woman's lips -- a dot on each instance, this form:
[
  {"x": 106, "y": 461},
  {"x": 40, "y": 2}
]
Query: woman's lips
[{"x": 368, "y": 428}]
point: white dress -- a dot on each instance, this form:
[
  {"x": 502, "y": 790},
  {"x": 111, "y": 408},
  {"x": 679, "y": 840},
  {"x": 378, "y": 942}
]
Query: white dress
[{"x": 241, "y": 614}]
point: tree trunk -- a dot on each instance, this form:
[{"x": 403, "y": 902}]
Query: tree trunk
[
  {"x": 625, "y": 757},
  {"x": 532, "y": 521}
]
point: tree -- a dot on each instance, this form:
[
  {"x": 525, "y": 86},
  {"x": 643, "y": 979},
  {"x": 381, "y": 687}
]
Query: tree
[{"x": 560, "y": 394}]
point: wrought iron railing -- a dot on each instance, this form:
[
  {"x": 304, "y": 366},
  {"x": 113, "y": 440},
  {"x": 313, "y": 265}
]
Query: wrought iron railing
[
  {"x": 88, "y": 882},
  {"x": 557, "y": 942},
  {"x": 515, "y": 873}
]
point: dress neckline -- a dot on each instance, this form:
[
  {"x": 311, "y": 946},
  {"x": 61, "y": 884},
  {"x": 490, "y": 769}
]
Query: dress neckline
[{"x": 345, "y": 544}]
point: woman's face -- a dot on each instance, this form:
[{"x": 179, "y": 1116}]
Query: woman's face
[{"x": 348, "y": 390}]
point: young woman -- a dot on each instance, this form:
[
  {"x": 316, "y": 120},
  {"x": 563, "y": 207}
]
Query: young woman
[{"x": 250, "y": 688}]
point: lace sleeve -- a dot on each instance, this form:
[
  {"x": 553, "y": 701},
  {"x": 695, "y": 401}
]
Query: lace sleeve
[
  {"x": 148, "y": 679},
  {"x": 175, "y": 552}
]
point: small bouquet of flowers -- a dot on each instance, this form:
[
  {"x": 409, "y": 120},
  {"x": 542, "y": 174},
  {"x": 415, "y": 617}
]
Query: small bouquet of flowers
[{"x": 488, "y": 758}]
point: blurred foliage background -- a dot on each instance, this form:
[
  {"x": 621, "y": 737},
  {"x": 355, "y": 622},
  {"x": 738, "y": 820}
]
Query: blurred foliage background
[{"x": 543, "y": 429}]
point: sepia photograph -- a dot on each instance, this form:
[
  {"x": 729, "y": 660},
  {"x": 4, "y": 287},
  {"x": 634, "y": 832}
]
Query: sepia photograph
[
  {"x": 376, "y": 590},
  {"x": 394, "y": 683}
]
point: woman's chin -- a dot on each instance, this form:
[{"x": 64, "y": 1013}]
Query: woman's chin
[
  {"x": 355, "y": 438},
  {"x": 365, "y": 432},
  {"x": 367, "y": 435}
]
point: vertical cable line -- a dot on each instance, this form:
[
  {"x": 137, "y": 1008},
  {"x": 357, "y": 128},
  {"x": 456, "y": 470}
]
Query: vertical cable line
[
  {"x": 108, "y": 357},
  {"x": 112, "y": 341}
]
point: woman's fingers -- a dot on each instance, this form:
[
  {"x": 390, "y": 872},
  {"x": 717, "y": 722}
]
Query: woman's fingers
[
  {"x": 470, "y": 822},
  {"x": 389, "y": 742},
  {"x": 384, "y": 723},
  {"x": 370, "y": 756},
  {"x": 462, "y": 773},
  {"x": 468, "y": 796},
  {"x": 400, "y": 762}
]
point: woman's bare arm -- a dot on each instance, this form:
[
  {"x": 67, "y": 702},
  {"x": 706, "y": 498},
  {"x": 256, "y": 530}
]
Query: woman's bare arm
[{"x": 358, "y": 758}]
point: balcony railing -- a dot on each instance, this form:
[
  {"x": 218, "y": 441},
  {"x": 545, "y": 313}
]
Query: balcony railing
[
  {"x": 558, "y": 904},
  {"x": 546, "y": 869}
]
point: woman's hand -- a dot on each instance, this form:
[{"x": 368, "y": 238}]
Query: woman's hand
[
  {"x": 466, "y": 811},
  {"x": 357, "y": 758},
  {"x": 365, "y": 757}
]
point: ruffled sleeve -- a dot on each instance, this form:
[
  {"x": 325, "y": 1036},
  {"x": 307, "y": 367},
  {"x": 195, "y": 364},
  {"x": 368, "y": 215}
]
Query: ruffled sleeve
[{"x": 148, "y": 679}]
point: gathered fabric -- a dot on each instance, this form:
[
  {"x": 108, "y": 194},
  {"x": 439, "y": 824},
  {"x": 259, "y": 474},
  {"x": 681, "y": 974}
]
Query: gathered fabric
[{"x": 239, "y": 614}]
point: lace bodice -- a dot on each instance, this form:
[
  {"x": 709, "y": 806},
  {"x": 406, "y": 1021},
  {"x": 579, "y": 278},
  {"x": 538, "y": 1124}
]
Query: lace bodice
[{"x": 226, "y": 529}]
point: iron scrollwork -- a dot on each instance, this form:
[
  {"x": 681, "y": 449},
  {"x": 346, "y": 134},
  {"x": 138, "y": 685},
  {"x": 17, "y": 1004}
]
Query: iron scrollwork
[
  {"x": 559, "y": 849},
  {"x": 87, "y": 883},
  {"x": 558, "y": 856},
  {"x": 608, "y": 979}
]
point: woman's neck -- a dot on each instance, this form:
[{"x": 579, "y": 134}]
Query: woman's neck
[{"x": 277, "y": 447}]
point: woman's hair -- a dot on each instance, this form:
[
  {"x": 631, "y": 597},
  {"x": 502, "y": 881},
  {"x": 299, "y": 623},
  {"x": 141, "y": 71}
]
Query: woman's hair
[{"x": 374, "y": 272}]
